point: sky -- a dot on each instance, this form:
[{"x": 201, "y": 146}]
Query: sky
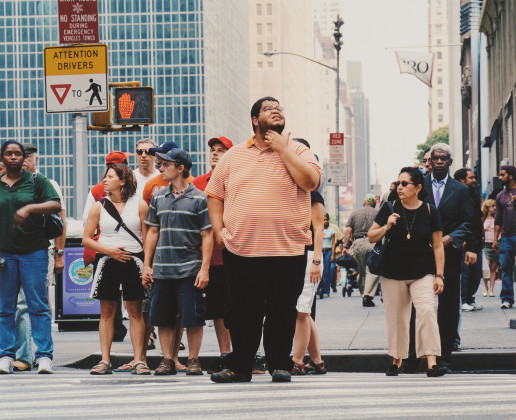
[{"x": 398, "y": 102}]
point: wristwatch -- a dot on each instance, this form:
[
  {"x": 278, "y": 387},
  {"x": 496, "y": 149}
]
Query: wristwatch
[
  {"x": 60, "y": 252},
  {"x": 440, "y": 275},
  {"x": 316, "y": 262}
]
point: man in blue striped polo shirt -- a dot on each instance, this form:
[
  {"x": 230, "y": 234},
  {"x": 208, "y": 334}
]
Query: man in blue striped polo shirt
[{"x": 178, "y": 250}]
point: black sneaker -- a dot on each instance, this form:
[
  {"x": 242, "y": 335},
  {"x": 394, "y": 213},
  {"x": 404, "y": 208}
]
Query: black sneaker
[
  {"x": 394, "y": 370},
  {"x": 281, "y": 376},
  {"x": 227, "y": 376},
  {"x": 260, "y": 366},
  {"x": 436, "y": 371},
  {"x": 367, "y": 301}
]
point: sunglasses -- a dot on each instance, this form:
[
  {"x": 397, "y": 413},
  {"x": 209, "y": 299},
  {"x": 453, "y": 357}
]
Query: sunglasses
[
  {"x": 140, "y": 152},
  {"x": 404, "y": 183}
]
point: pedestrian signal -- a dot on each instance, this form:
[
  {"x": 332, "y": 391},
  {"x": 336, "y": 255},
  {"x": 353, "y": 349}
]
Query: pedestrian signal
[{"x": 134, "y": 105}]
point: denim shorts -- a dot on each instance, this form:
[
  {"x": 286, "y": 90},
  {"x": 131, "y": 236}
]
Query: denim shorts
[{"x": 170, "y": 297}]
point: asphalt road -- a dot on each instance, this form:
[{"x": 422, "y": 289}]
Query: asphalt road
[{"x": 74, "y": 394}]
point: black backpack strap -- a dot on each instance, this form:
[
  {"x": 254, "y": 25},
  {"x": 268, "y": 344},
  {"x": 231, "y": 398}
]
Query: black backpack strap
[{"x": 113, "y": 212}]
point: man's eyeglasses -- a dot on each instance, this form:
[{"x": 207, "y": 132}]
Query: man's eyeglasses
[
  {"x": 140, "y": 152},
  {"x": 164, "y": 164},
  {"x": 403, "y": 183},
  {"x": 273, "y": 108},
  {"x": 440, "y": 158}
]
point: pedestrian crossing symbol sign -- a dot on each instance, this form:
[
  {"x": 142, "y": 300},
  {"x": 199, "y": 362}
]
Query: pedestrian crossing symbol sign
[{"x": 76, "y": 78}]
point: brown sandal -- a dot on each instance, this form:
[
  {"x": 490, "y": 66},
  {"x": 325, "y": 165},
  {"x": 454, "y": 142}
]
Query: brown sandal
[
  {"x": 102, "y": 368},
  {"x": 140, "y": 368}
]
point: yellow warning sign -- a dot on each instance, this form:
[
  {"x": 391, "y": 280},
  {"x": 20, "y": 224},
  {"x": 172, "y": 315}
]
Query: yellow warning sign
[{"x": 80, "y": 59}]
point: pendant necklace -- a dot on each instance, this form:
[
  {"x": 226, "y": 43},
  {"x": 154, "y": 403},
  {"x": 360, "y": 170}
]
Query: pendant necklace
[{"x": 409, "y": 229}]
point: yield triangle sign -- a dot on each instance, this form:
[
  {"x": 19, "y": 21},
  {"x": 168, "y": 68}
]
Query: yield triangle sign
[{"x": 61, "y": 91}]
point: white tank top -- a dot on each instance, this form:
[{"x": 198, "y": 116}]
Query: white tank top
[{"x": 131, "y": 217}]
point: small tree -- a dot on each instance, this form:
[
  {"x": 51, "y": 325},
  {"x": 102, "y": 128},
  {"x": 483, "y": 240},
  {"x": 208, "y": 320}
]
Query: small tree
[{"x": 440, "y": 135}]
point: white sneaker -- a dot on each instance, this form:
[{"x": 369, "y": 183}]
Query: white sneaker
[
  {"x": 476, "y": 307},
  {"x": 506, "y": 305},
  {"x": 6, "y": 365},
  {"x": 467, "y": 308},
  {"x": 45, "y": 365}
]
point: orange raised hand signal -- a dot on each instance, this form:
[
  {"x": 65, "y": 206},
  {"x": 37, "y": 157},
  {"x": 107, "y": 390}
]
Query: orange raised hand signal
[{"x": 125, "y": 106}]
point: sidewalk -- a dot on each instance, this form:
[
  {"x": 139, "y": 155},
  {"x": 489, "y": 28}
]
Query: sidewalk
[{"x": 353, "y": 339}]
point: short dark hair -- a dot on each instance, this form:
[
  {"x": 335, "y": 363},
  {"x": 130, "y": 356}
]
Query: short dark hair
[
  {"x": 186, "y": 172},
  {"x": 417, "y": 178},
  {"x": 511, "y": 170},
  {"x": 302, "y": 141},
  {"x": 125, "y": 174},
  {"x": 461, "y": 174},
  {"x": 425, "y": 152},
  {"x": 327, "y": 216},
  {"x": 255, "y": 109},
  {"x": 17, "y": 143}
]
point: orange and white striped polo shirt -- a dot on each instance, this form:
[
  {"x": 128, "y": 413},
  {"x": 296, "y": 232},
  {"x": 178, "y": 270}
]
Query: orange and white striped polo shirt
[{"x": 265, "y": 213}]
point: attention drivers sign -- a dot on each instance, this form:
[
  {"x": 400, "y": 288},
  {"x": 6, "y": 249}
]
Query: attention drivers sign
[{"x": 76, "y": 78}]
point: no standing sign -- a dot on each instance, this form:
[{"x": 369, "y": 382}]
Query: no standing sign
[{"x": 76, "y": 78}]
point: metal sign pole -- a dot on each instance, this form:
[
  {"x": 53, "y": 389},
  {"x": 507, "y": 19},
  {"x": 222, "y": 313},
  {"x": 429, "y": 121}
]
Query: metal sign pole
[{"x": 80, "y": 167}]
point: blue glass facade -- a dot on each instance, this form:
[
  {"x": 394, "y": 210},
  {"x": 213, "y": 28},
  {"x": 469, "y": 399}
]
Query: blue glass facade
[{"x": 157, "y": 42}]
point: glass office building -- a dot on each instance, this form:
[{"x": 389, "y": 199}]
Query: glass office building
[{"x": 194, "y": 54}]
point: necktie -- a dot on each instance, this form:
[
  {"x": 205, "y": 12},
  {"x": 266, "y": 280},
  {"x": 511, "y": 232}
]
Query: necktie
[{"x": 437, "y": 195}]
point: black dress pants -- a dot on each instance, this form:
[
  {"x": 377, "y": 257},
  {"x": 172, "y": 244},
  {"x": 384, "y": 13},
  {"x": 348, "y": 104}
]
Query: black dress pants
[
  {"x": 448, "y": 309},
  {"x": 262, "y": 287}
]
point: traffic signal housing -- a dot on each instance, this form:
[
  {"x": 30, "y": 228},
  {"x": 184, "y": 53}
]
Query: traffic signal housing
[{"x": 134, "y": 105}]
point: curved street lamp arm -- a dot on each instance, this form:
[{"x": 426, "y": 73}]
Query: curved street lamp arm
[{"x": 271, "y": 53}]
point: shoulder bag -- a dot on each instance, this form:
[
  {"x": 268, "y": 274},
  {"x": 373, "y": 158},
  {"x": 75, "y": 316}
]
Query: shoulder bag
[
  {"x": 53, "y": 224},
  {"x": 375, "y": 257}
]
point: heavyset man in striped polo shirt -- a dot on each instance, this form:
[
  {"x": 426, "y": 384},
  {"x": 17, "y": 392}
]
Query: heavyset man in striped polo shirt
[
  {"x": 179, "y": 226},
  {"x": 259, "y": 205}
]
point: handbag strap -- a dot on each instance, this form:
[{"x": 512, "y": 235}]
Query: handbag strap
[
  {"x": 33, "y": 179},
  {"x": 113, "y": 212}
]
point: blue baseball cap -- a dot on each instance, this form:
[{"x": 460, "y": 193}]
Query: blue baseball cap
[
  {"x": 177, "y": 155},
  {"x": 163, "y": 148}
]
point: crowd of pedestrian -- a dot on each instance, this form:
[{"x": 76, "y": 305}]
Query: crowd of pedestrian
[{"x": 249, "y": 247}]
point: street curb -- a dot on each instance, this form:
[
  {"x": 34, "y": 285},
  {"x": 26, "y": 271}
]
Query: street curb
[{"x": 468, "y": 361}]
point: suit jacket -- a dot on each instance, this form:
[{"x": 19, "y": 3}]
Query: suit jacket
[{"x": 456, "y": 209}]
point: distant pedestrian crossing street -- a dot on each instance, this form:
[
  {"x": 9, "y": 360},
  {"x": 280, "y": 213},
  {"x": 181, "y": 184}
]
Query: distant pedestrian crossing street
[{"x": 71, "y": 393}]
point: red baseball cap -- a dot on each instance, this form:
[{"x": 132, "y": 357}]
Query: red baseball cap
[
  {"x": 116, "y": 156},
  {"x": 228, "y": 144}
]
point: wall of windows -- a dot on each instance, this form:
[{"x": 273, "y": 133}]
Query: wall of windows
[{"x": 157, "y": 42}]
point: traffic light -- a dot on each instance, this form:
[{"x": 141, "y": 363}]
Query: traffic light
[
  {"x": 134, "y": 105},
  {"x": 337, "y": 34}
]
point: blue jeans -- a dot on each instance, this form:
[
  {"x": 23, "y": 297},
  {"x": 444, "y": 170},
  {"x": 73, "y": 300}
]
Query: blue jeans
[
  {"x": 23, "y": 342},
  {"x": 507, "y": 250},
  {"x": 326, "y": 277},
  {"x": 30, "y": 272},
  {"x": 470, "y": 277}
]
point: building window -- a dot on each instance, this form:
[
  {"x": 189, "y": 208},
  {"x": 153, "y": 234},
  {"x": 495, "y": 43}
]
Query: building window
[
  {"x": 439, "y": 55},
  {"x": 258, "y": 9},
  {"x": 439, "y": 67},
  {"x": 260, "y": 64},
  {"x": 269, "y": 9},
  {"x": 258, "y": 29},
  {"x": 439, "y": 80},
  {"x": 269, "y": 46},
  {"x": 439, "y": 93},
  {"x": 269, "y": 29},
  {"x": 259, "y": 48},
  {"x": 439, "y": 41},
  {"x": 440, "y": 118},
  {"x": 269, "y": 64},
  {"x": 440, "y": 105}
]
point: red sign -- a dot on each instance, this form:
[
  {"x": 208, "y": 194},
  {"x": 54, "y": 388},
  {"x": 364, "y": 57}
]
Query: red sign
[
  {"x": 336, "y": 139},
  {"x": 78, "y": 21}
]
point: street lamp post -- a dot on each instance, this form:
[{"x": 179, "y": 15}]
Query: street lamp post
[{"x": 337, "y": 35}]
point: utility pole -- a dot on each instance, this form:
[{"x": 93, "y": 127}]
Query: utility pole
[{"x": 337, "y": 35}]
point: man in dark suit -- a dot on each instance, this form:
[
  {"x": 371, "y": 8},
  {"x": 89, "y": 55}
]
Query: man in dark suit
[{"x": 455, "y": 205}]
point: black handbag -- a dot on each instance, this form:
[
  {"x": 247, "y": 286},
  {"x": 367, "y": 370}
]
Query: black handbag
[
  {"x": 53, "y": 224},
  {"x": 375, "y": 257}
]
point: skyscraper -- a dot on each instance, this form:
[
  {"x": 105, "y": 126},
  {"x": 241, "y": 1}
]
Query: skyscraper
[{"x": 193, "y": 53}]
